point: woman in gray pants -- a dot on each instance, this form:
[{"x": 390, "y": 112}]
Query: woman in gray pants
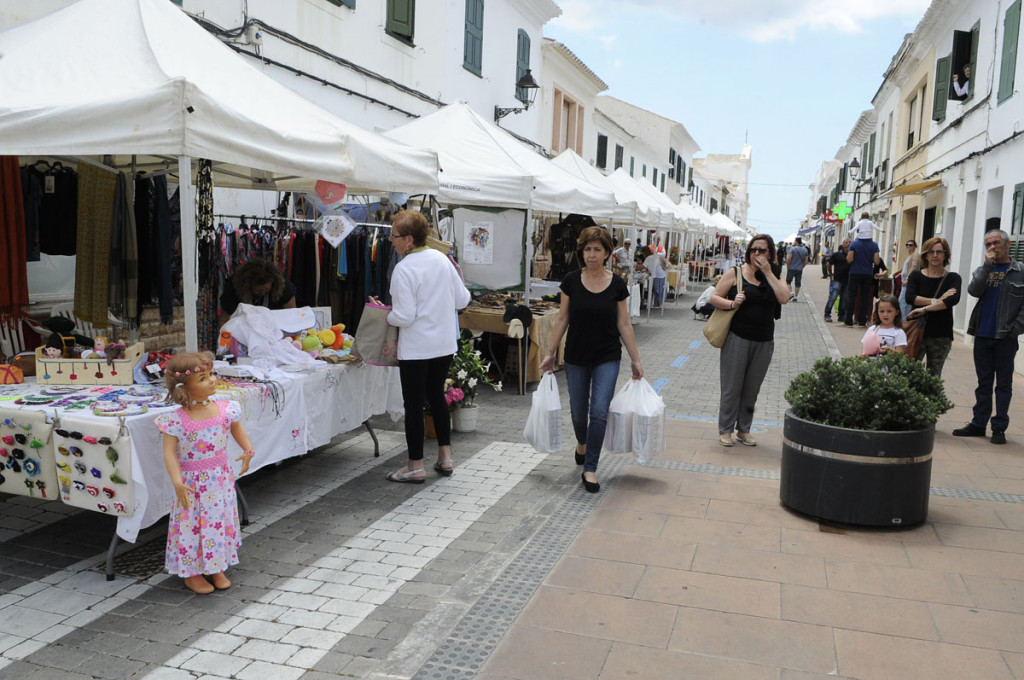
[{"x": 748, "y": 349}]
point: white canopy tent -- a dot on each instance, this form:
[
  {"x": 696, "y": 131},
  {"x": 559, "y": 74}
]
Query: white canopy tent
[
  {"x": 726, "y": 226},
  {"x": 478, "y": 159},
  {"x": 649, "y": 215},
  {"x": 627, "y": 212},
  {"x": 140, "y": 78}
]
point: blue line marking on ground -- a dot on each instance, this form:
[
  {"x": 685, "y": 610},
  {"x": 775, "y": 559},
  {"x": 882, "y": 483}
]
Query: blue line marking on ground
[
  {"x": 714, "y": 419},
  {"x": 679, "y": 361},
  {"x": 695, "y": 344},
  {"x": 659, "y": 384}
]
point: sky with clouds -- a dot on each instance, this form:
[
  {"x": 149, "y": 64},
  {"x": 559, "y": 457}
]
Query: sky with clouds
[{"x": 789, "y": 76}]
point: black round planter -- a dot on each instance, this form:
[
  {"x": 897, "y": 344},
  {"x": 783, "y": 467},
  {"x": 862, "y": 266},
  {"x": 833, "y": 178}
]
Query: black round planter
[{"x": 856, "y": 476}]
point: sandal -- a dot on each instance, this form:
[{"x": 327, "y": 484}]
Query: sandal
[
  {"x": 407, "y": 477},
  {"x": 440, "y": 469}
]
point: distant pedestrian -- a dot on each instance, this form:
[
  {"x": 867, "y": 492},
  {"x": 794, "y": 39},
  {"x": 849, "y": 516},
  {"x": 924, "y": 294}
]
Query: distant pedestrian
[
  {"x": 796, "y": 259},
  {"x": 747, "y": 352},
  {"x": 911, "y": 264},
  {"x": 865, "y": 228},
  {"x": 933, "y": 291},
  {"x": 863, "y": 255},
  {"x": 995, "y": 323},
  {"x": 826, "y": 253},
  {"x": 839, "y": 275}
]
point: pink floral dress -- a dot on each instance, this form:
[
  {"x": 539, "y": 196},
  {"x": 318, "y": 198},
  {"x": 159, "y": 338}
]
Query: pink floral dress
[{"x": 204, "y": 538}]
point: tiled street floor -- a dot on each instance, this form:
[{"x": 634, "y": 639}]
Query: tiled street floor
[{"x": 687, "y": 567}]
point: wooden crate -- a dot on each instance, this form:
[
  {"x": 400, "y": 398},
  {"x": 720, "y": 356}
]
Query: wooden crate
[{"x": 88, "y": 371}]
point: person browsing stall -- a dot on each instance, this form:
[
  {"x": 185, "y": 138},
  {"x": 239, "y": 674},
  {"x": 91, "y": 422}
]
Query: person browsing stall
[
  {"x": 427, "y": 293},
  {"x": 257, "y": 282},
  {"x": 594, "y": 317}
]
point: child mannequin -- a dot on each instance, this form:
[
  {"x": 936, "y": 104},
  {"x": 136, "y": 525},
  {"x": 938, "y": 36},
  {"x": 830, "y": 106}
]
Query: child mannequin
[
  {"x": 203, "y": 534},
  {"x": 886, "y": 335}
]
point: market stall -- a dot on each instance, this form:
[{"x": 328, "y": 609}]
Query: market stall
[
  {"x": 114, "y": 78},
  {"x": 122, "y": 85}
]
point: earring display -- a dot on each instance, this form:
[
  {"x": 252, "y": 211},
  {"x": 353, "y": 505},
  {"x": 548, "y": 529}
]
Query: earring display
[
  {"x": 26, "y": 458},
  {"x": 93, "y": 465}
]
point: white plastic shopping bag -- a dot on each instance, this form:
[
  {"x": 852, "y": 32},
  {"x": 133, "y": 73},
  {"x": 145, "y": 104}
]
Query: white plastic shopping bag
[
  {"x": 618, "y": 436},
  {"x": 648, "y": 422},
  {"x": 544, "y": 424}
]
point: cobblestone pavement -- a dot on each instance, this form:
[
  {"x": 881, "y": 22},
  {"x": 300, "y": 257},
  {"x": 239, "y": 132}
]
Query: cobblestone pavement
[{"x": 345, "y": 575}]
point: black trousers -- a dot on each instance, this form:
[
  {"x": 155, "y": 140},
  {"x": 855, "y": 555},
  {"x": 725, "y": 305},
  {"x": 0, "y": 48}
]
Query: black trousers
[
  {"x": 858, "y": 297},
  {"x": 423, "y": 383}
]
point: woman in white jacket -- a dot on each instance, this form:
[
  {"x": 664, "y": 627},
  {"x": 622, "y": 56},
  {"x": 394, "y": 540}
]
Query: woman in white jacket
[{"x": 426, "y": 292}]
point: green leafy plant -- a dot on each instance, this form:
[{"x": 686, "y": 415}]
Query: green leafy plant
[
  {"x": 468, "y": 372},
  {"x": 887, "y": 393}
]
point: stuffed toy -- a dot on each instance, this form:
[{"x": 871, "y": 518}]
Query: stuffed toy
[{"x": 62, "y": 335}]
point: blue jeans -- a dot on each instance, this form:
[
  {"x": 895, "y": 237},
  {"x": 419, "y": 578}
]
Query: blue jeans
[
  {"x": 835, "y": 292},
  {"x": 993, "y": 362},
  {"x": 590, "y": 392}
]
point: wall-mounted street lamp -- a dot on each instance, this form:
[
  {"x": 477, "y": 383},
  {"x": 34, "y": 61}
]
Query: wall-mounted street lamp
[
  {"x": 854, "y": 169},
  {"x": 525, "y": 83}
]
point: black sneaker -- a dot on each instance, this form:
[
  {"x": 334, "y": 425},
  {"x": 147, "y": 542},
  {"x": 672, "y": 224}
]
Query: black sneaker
[
  {"x": 998, "y": 437},
  {"x": 972, "y": 430}
]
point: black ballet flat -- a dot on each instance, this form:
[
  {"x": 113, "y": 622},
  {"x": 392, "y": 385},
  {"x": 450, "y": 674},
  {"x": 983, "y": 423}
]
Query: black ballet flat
[
  {"x": 591, "y": 487},
  {"x": 580, "y": 458}
]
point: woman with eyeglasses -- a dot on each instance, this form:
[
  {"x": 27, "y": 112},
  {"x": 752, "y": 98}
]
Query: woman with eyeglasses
[
  {"x": 427, "y": 292},
  {"x": 932, "y": 291},
  {"x": 911, "y": 264},
  {"x": 748, "y": 349}
]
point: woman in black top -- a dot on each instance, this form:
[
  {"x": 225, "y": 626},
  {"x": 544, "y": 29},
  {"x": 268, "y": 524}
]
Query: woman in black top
[
  {"x": 932, "y": 291},
  {"x": 748, "y": 349},
  {"x": 596, "y": 319}
]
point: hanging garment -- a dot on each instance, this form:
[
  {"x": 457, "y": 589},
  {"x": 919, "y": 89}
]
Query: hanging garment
[
  {"x": 124, "y": 256},
  {"x": 58, "y": 210},
  {"x": 164, "y": 251},
  {"x": 32, "y": 193},
  {"x": 145, "y": 236},
  {"x": 92, "y": 266},
  {"x": 13, "y": 270}
]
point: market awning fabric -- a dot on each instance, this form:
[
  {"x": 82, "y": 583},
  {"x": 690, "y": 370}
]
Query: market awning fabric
[
  {"x": 140, "y": 77},
  {"x": 483, "y": 165},
  {"x": 915, "y": 188}
]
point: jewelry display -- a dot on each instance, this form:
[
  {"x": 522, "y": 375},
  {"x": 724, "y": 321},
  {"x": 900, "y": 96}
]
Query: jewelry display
[{"x": 26, "y": 459}]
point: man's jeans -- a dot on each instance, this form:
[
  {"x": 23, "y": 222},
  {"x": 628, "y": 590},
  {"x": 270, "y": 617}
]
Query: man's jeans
[
  {"x": 993, "y": 362},
  {"x": 858, "y": 289},
  {"x": 590, "y": 392},
  {"x": 835, "y": 292}
]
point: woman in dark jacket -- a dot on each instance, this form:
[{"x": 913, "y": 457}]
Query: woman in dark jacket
[{"x": 748, "y": 349}]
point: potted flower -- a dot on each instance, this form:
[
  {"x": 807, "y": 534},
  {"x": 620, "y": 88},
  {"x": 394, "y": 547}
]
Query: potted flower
[
  {"x": 467, "y": 373},
  {"x": 857, "y": 440},
  {"x": 453, "y": 396}
]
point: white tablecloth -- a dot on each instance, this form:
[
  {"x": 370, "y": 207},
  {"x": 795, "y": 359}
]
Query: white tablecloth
[{"x": 319, "y": 404}]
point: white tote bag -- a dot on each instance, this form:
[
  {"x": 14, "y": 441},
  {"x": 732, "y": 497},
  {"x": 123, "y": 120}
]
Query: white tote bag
[{"x": 544, "y": 424}]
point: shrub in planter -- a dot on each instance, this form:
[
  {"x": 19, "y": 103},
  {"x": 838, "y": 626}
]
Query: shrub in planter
[
  {"x": 890, "y": 393},
  {"x": 858, "y": 438}
]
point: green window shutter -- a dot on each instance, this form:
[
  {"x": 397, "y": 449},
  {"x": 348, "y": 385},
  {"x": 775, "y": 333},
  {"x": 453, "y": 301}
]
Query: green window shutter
[
  {"x": 662, "y": 182},
  {"x": 401, "y": 18},
  {"x": 1017, "y": 223},
  {"x": 842, "y": 177},
  {"x": 654, "y": 176},
  {"x": 1008, "y": 65},
  {"x": 472, "y": 58},
  {"x": 178, "y": 2},
  {"x": 975, "y": 39},
  {"x": 871, "y": 156},
  {"x": 522, "y": 63},
  {"x": 941, "y": 93},
  {"x": 602, "y": 150},
  {"x": 632, "y": 165},
  {"x": 340, "y": 3}
]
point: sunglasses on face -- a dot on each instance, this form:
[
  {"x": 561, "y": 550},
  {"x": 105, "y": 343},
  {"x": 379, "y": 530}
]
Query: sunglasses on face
[
  {"x": 759, "y": 250},
  {"x": 911, "y": 245}
]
